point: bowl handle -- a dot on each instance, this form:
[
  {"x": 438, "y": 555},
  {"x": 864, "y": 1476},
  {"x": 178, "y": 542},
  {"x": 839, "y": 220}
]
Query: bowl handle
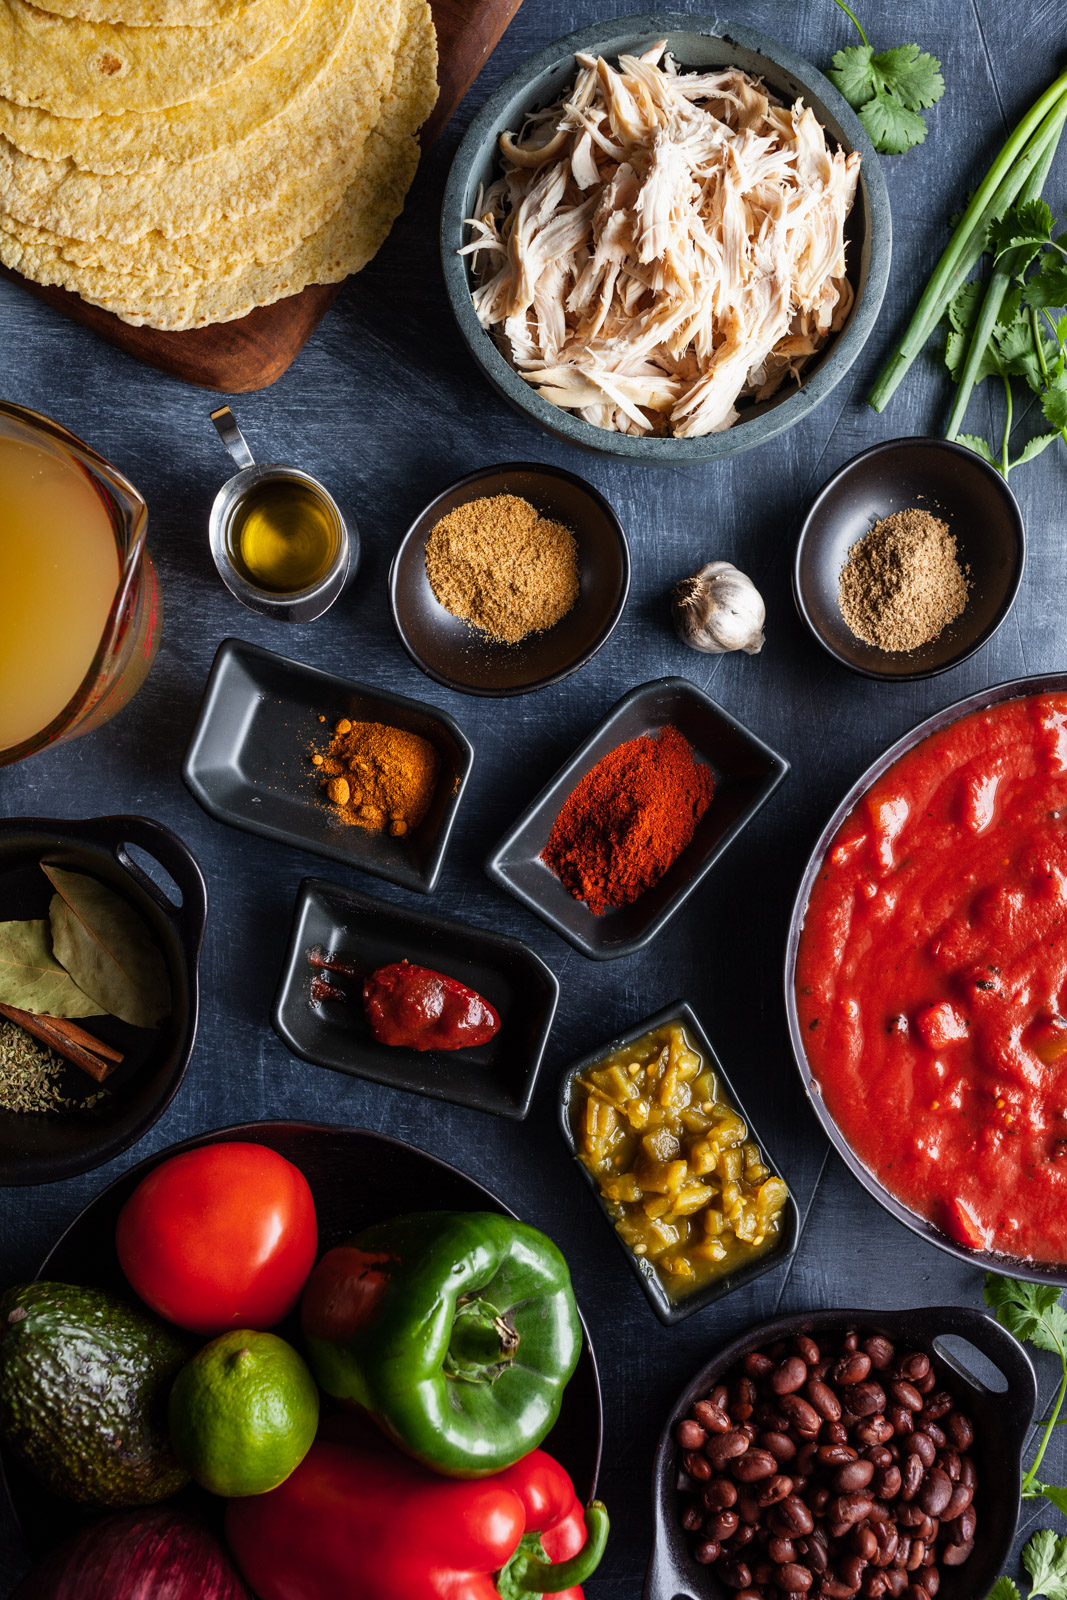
[
  {"x": 190, "y": 918},
  {"x": 663, "y": 1581},
  {"x": 1018, "y": 1402}
]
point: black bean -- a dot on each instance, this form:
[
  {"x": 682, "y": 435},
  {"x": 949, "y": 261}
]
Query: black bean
[{"x": 790, "y": 1376}]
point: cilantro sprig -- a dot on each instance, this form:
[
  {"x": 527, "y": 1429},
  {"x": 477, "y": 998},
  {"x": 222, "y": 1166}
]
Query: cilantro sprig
[
  {"x": 888, "y": 90},
  {"x": 1032, "y": 1311},
  {"x": 1005, "y": 328}
]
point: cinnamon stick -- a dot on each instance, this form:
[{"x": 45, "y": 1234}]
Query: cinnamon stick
[{"x": 52, "y": 1031}]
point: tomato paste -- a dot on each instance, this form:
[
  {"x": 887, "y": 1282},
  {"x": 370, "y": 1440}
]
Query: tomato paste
[{"x": 932, "y": 978}]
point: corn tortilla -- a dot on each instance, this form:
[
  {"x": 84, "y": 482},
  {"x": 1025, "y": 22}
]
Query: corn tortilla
[
  {"x": 259, "y": 96},
  {"x": 347, "y": 240},
  {"x": 82, "y": 69},
  {"x": 144, "y": 13}
]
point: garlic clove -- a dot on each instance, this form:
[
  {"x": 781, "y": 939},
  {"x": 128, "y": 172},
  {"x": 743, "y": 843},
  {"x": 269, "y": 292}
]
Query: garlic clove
[{"x": 718, "y": 609}]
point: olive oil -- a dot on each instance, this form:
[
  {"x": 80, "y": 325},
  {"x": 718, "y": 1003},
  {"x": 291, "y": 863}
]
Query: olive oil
[
  {"x": 283, "y": 536},
  {"x": 59, "y": 574}
]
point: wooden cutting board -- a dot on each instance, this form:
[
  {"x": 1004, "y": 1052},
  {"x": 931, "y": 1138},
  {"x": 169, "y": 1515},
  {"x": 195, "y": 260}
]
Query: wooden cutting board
[{"x": 253, "y": 352}]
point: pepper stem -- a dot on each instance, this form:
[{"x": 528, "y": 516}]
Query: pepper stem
[
  {"x": 529, "y": 1574},
  {"x": 483, "y": 1342}
]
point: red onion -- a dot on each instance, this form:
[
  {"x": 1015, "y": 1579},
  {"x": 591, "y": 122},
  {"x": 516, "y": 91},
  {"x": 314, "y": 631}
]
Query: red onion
[{"x": 155, "y": 1554}]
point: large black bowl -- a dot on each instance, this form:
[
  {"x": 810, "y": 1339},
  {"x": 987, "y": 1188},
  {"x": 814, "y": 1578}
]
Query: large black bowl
[
  {"x": 1001, "y": 1423},
  {"x": 357, "y": 1177},
  {"x": 36, "y": 1147},
  {"x": 1054, "y": 682}
]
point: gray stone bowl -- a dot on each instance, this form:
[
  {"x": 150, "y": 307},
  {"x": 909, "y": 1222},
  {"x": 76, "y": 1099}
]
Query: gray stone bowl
[{"x": 697, "y": 42}]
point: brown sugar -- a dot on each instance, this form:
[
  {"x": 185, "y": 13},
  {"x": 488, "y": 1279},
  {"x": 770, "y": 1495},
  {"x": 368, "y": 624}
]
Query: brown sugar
[
  {"x": 500, "y": 565},
  {"x": 378, "y": 777},
  {"x": 902, "y": 584}
]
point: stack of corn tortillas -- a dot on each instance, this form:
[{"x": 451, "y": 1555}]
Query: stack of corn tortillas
[{"x": 182, "y": 161}]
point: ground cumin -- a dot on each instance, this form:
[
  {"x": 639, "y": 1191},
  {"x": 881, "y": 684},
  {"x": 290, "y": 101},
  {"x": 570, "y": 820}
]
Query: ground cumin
[
  {"x": 377, "y": 777},
  {"x": 902, "y": 584},
  {"x": 498, "y": 564},
  {"x": 629, "y": 819}
]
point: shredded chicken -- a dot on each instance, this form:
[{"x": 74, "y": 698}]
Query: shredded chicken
[{"x": 663, "y": 244}]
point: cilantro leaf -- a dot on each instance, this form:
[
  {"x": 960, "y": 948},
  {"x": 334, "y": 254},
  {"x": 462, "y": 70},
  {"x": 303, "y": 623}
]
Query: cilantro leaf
[
  {"x": 979, "y": 446},
  {"x": 910, "y": 74},
  {"x": 1054, "y": 405},
  {"x": 1052, "y": 1491},
  {"x": 888, "y": 90},
  {"x": 1045, "y": 1559},
  {"x": 1048, "y": 286},
  {"x": 956, "y": 347},
  {"x": 851, "y": 73},
  {"x": 1018, "y": 353},
  {"x": 1023, "y": 1308},
  {"x": 1030, "y": 222},
  {"x": 1033, "y": 447},
  {"x": 892, "y": 128},
  {"x": 963, "y": 307},
  {"x": 1003, "y": 1589}
]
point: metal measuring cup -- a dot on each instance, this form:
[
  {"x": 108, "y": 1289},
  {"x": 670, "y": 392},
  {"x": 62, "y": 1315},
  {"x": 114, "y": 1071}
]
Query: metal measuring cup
[{"x": 305, "y": 604}]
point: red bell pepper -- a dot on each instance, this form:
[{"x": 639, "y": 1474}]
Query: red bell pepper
[{"x": 358, "y": 1520}]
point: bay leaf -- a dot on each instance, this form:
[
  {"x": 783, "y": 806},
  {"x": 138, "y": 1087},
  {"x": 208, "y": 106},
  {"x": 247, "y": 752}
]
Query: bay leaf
[
  {"x": 32, "y": 979},
  {"x": 108, "y": 948}
]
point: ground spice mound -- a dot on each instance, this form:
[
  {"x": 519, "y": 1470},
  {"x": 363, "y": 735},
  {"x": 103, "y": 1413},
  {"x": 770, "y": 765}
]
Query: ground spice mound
[
  {"x": 628, "y": 819},
  {"x": 902, "y": 584},
  {"x": 378, "y": 777},
  {"x": 500, "y": 565}
]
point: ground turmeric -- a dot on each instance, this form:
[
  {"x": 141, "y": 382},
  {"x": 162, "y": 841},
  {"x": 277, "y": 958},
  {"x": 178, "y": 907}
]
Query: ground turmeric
[{"x": 378, "y": 777}]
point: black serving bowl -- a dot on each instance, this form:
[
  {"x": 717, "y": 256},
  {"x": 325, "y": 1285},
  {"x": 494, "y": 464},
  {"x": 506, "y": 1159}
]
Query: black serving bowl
[
  {"x": 668, "y": 1310},
  {"x": 36, "y": 1147},
  {"x": 499, "y": 1076},
  {"x": 460, "y": 656},
  {"x": 357, "y": 1178},
  {"x": 951, "y": 482},
  {"x": 248, "y": 761},
  {"x": 986, "y": 1260},
  {"x": 747, "y": 772},
  {"x": 1002, "y": 1421}
]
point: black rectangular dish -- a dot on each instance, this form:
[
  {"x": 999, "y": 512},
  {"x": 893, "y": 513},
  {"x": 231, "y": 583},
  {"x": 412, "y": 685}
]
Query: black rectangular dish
[
  {"x": 248, "y": 761},
  {"x": 746, "y": 770},
  {"x": 668, "y": 1310},
  {"x": 499, "y": 1076}
]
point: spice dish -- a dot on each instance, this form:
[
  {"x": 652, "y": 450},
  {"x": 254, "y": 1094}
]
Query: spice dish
[
  {"x": 249, "y": 761},
  {"x": 456, "y": 654},
  {"x": 672, "y": 1296},
  {"x": 701, "y": 43},
  {"x": 954, "y": 1137},
  {"x": 1001, "y": 1422},
  {"x": 41, "y": 1147},
  {"x": 746, "y": 773},
  {"x": 366, "y": 934},
  {"x": 952, "y": 483}
]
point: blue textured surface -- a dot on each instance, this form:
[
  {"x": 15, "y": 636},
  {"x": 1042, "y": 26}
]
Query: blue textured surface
[{"x": 387, "y": 407}]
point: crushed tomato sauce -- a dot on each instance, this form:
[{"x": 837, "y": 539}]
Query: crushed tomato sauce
[{"x": 932, "y": 978}]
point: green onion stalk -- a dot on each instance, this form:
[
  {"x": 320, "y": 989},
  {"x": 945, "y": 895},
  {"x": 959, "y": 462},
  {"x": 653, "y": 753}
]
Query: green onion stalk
[{"x": 1022, "y": 155}]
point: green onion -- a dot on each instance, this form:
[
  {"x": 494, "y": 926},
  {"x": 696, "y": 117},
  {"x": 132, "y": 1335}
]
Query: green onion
[{"x": 1022, "y": 152}]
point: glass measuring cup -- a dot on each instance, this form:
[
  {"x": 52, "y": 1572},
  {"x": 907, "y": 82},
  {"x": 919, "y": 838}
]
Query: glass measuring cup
[{"x": 130, "y": 635}]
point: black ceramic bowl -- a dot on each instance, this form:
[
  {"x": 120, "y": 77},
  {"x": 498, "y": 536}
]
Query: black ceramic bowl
[
  {"x": 463, "y": 658},
  {"x": 366, "y": 933},
  {"x": 951, "y": 482},
  {"x": 357, "y": 1177},
  {"x": 38, "y": 1147},
  {"x": 699, "y": 43},
  {"x": 248, "y": 761},
  {"x": 1001, "y": 1419},
  {"x": 668, "y": 1310},
  {"x": 983, "y": 1259},
  {"x": 747, "y": 772}
]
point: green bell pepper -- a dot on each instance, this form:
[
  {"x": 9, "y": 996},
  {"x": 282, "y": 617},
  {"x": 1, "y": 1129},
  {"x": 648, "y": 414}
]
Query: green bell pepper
[{"x": 456, "y": 1331}]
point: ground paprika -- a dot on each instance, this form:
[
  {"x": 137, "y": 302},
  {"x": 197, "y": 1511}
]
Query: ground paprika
[{"x": 628, "y": 819}]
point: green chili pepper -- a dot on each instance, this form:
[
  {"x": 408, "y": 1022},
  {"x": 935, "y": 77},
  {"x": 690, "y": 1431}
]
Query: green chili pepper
[{"x": 456, "y": 1331}]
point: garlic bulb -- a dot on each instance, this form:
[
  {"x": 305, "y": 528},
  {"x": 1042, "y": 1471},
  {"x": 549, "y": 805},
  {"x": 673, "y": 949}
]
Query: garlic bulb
[{"x": 718, "y": 609}]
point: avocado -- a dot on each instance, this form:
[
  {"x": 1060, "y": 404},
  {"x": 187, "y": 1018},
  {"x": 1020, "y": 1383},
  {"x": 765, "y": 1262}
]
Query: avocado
[{"x": 84, "y": 1384}]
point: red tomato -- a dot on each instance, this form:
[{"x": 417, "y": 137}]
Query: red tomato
[{"x": 220, "y": 1237}]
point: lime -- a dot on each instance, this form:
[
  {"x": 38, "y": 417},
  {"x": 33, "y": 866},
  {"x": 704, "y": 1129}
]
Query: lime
[{"x": 243, "y": 1413}]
